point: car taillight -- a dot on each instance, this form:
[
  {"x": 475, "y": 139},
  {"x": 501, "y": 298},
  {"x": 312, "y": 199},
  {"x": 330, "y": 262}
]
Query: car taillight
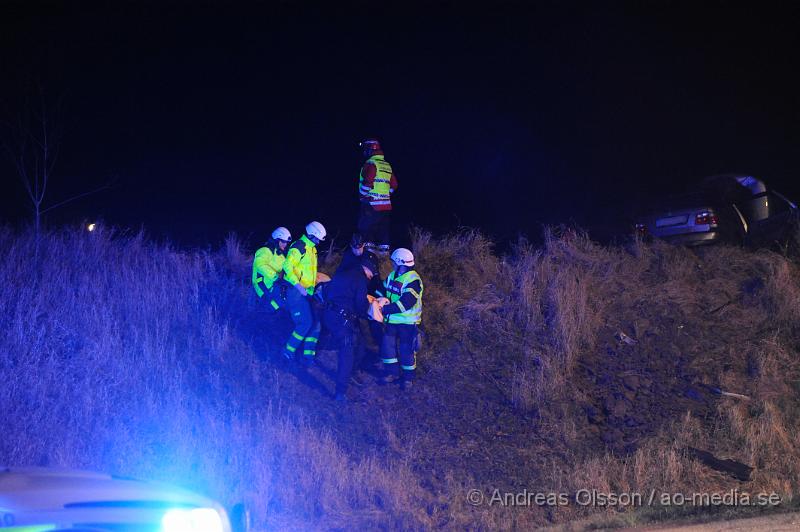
[
  {"x": 641, "y": 229},
  {"x": 706, "y": 218}
]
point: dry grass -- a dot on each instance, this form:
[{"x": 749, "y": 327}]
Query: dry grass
[
  {"x": 123, "y": 356},
  {"x": 542, "y": 310},
  {"x": 140, "y": 359}
]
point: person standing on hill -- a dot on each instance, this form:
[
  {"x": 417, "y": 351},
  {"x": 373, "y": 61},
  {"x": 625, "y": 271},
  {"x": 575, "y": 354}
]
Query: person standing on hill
[
  {"x": 346, "y": 303},
  {"x": 376, "y": 184},
  {"x": 351, "y": 258},
  {"x": 268, "y": 268},
  {"x": 300, "y": 271},
  {"x": 402, "y": 314}
]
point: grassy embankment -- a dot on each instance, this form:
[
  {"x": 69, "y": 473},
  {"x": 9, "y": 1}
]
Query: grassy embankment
[{"x": 140, "y": 359}]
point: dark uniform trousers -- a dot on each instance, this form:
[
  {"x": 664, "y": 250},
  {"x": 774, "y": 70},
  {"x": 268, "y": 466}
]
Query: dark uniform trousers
[
  {"x": 398, "y": 346},
  {"x": 374, "y": 225},
  {"x": 306, "y": 326},
  {"x": 345, "y": 338}
]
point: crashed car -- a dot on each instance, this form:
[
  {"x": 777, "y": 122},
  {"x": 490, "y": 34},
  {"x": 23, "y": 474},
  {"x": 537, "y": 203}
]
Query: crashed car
[
  {"x": 731, "y": 208},
  {"x": 39, "y": 499}
]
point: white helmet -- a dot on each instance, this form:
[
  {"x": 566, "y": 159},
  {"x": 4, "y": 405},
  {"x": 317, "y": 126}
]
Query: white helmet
[
  {"x": 316, "y": 229},
  {"x": 403, "y": 257},
  {"x": 281, "y": 233}
]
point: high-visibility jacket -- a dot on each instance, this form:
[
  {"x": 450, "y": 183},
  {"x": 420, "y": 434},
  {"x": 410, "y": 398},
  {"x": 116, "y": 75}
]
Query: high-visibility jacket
[
  {"x": 379, "y": 192},
  {"x": 267, "y": 268},
  {"x": 405, "y": 298},
  {"x": 301, "y": 264}
]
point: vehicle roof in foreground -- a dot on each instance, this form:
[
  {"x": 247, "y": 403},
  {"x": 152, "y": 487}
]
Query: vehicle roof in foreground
[
  {"x": 35, "y": 487},
  {"x": 67, "y": 497}
]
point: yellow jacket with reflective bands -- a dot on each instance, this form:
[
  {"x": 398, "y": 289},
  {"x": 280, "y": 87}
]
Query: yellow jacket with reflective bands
[
  {"x": 301, "y": 264},
  {"x": 267, "y": 268},
  {"x": 405, "y": 298},
  {"x": 380, "y": 193}
]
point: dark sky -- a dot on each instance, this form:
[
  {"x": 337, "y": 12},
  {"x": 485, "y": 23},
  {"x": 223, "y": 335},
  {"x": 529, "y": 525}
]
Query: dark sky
[{"x": 215, "y": 117}]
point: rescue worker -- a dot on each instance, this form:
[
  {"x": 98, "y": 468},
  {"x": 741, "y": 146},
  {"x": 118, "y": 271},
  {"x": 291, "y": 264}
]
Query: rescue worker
[
  {"x": 376, "y": 184},
  {"x": 402, "y": 313},
  {"x": 352, "y": 255},
  {"x": 346, "y": 303},
  {"x": 300, "y": 271},
  {"x": 351, "y": 258},
  {"x": 268, "y": 268}
]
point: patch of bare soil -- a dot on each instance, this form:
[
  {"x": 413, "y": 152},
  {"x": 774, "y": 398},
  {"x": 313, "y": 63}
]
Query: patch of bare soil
[{"x": 691, "y": 340}]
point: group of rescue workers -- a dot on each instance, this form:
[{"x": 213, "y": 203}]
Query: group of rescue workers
[{"x": 285, "y": 275}]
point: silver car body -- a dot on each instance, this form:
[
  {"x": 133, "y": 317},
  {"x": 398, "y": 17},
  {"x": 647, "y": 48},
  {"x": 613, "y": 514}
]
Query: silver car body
[
  {"x": 56, "y": 499},
  {"x": 728, "y": 207}
]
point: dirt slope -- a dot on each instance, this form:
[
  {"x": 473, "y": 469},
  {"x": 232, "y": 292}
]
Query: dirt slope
[{"x": 527, "y": 384}]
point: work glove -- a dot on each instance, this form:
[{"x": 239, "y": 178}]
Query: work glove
[{"x": 301, "y": 289}]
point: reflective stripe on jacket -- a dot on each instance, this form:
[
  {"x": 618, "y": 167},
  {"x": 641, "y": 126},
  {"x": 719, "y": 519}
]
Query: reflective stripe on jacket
[
  {"x": 405, "y": 298},
  {"x": 380, "y": 192},
  {"x": 301, "y": 264},
  {"x": 267, "y": 268}
]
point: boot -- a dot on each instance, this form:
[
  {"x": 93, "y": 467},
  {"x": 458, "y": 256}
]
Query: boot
[{"x": 406, "y": 384}]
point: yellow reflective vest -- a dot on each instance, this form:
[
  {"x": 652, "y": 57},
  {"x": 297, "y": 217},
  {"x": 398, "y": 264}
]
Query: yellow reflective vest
[
  {"x": 301, "y": 264},
  {"x": 395, "y": 288},
  {"x": 380, "y": 192}
]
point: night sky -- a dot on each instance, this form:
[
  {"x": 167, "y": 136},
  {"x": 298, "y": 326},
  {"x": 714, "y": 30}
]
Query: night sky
[{"x": 217, "y": 117}]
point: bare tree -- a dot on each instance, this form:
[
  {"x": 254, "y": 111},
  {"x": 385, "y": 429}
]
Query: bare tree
[{"x": 33, "y": 148}]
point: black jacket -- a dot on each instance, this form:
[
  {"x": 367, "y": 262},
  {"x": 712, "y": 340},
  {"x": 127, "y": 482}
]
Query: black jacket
[
  {"x": 351, "y": 261},
  {"x": 348, "y": 291}
]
